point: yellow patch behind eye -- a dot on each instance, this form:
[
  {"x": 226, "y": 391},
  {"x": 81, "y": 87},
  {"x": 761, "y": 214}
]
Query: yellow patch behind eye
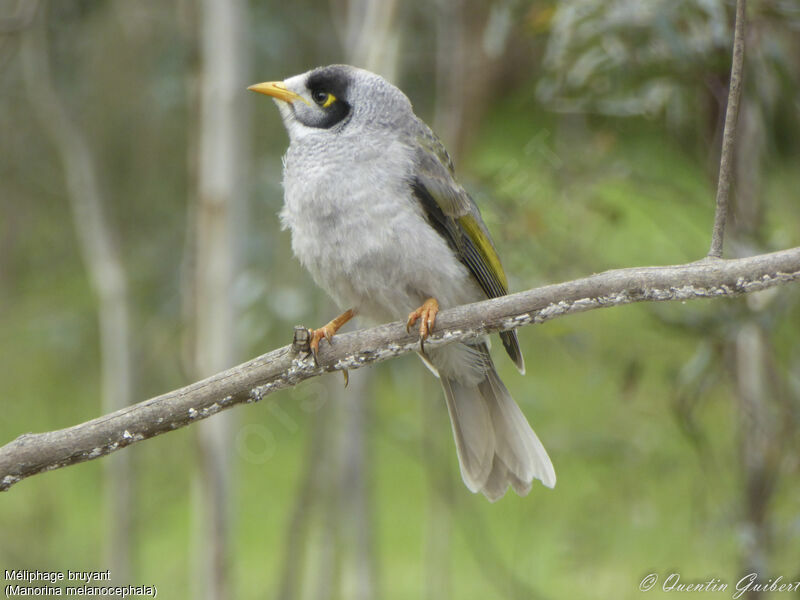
[{"x": 331, "y": 99}]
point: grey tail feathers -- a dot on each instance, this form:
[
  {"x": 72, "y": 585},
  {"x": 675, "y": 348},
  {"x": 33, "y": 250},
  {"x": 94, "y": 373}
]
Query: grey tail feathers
[{"x": 496, "y": 446}]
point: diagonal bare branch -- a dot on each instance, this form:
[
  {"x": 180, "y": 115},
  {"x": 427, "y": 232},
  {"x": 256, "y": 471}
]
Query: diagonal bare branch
[
  {"x": 729, "y": 133},
  {"x": 34, "y": 453}
]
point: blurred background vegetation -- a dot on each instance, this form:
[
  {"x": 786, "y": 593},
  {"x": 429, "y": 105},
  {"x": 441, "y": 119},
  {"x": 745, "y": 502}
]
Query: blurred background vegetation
[{"x": 140, "y": 250}]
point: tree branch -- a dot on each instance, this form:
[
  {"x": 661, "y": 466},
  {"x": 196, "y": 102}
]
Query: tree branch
[
  {"x": 285, "y": 367},
  {"x": 729, "y": 133}
]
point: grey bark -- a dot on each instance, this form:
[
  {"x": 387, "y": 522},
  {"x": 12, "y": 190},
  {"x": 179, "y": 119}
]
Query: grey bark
[{"x": 285, "y": 367}]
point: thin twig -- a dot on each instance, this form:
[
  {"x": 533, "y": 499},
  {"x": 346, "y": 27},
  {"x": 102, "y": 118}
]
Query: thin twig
[
  {"x": 285, "y": 367},
  {"x": 729, "y": 133}
]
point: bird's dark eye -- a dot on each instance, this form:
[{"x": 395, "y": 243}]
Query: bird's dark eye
[{"x": 324, "y": 99}]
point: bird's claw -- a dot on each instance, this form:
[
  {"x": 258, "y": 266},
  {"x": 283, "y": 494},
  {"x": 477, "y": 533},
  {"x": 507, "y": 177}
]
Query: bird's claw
[
  {"x": 315, "y": 337},
  {"x": 426, "y": 315},
  {"x": 327, "y": 331}
]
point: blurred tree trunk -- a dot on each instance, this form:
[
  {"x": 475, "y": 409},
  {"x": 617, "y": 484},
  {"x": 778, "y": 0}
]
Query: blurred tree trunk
[
  {"x": 328, "y": 561},
  {"x": 759, "y": 444},
  {"x": 101, "y": 257},
  {"x": 333, "y": 492},
  {"x": 451, "y": 73},
  {"x": 309, "y": 490},
  {"x": 219, "y": 197},
  {"x": 471, "y": 40},
  {"x": 369, "y": 34},
  {"x": 356, "y": 522},
  {"x": 439, "y": 523},
  {"x": 757, "y": 382}
]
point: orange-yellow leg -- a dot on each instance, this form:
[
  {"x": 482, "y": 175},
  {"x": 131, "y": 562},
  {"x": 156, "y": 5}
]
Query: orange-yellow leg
[
  {"x": 426, "y": 315},
  {"x": 327, "y": 331}
]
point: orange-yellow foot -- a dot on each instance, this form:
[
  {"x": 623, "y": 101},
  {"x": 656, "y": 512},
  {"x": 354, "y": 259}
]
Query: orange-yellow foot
[
  {"x": 327, "y": 331},
  {"x": 426, "y": 315}
]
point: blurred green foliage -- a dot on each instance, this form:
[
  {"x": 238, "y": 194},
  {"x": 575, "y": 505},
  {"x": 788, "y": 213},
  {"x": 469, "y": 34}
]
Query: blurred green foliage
[{"x": 645, "y": 485}]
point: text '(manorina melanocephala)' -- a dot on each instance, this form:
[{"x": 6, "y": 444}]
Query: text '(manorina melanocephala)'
[{"x": 379, "y": 220}]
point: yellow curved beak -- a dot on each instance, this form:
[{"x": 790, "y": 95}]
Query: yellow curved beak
[{"x": 278, "y": 90}]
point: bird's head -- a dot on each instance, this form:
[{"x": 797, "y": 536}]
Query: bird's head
[{"x": 336, "y": 99}]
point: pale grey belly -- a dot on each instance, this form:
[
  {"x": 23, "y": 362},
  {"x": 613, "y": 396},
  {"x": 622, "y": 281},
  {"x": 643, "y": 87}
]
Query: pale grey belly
[{"x": 383, "y": 260}]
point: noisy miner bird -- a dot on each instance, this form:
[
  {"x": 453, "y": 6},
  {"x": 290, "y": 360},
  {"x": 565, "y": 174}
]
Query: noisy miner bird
[{"x": 379, "y": 220}]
